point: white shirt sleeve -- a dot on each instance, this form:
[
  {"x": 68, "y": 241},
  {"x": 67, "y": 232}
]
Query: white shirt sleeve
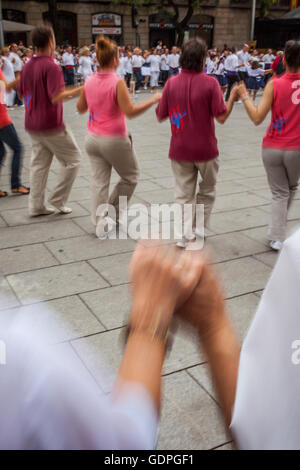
[
  {"x": 46, "y": 404},
  {"x": 266, "y": 412}
]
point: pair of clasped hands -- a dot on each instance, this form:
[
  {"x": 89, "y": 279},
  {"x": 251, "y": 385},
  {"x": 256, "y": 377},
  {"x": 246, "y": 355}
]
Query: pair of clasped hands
[{"x": 167, "y": 282}]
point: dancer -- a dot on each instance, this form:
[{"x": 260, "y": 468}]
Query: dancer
[
  {"x": 219, "y": 73},
  {"x": 146, "y": 69},
  {"x": 173, "y": 62},
  {"x": 85, "y": 63},
  {"x": 17, "y": 66},
  {"x": 243, "y": 60},
  {"x": 106, "y": 97},
  {"x": 164, "y": 66},
  {"x": 281, "y": 144},
  {"x": 9, "y": 75},
  {"x": 255, "y": 74},
  {"x": 137, "y": 62},
  {"x": 121, "y": 67},
  {"x": 128, "y": 68},
  {"x": 193, "y": 100},
  {"x": 154, "y": 69},
  {"x": 69, "y": 65},
  {"x": 9, "y": 136},
  {"x": 42, "y": 86},
  {"x": 231, "y": 67}
]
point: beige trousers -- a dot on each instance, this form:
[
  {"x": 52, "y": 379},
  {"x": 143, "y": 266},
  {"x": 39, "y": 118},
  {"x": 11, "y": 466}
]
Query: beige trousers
[
  {"x": 44, "y": 146},
  {"x": 186, "y": 174},
  {"x": 106, "y": 153},
  {"x": 283, "y": 172}
]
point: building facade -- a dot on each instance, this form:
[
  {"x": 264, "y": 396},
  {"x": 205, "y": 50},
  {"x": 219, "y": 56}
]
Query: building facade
[{"x": 79, "y": 22}]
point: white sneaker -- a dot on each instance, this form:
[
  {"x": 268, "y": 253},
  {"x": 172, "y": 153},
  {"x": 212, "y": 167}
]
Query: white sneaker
[
  {"x": 44, "y": 211},
  {"x": 182, "y": 243},
  {"x": 275, "y": 245},
  {"x": 64, "y": 210}
]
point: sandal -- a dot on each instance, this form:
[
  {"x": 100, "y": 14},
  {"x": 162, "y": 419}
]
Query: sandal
[
  {"x": 3, "y": 193},
  {"x": 21, "y": 190}
]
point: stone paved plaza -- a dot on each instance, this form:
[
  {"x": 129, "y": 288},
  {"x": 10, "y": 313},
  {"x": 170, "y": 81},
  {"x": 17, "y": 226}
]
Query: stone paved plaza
[{"x": 57, "y": 260}]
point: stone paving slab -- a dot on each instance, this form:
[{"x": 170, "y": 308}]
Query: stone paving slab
[
  {"x": 87, "y": 247},
  {"x": 25, "y": 258},
  {"x": 38, "y": 233},
  {"x": 233, "y": 245},
  {"x": 244, "y": 275},
  {"x": 111, "y": 305},
  {"x": 63, "y": 319},
  {"x": 21, "y": 217},
  {"x": 192, "y": 420},
  {"x": 113, "y": 268},
  {"x": 55, "y": 282}
]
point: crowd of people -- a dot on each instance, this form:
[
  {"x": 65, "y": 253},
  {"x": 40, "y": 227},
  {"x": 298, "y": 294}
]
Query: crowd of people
[
  {"x": 150, "y": 68},
  {"x": 165, "y": 280}
]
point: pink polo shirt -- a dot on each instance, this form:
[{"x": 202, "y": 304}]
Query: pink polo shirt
[{"x": 106, "y": 117}]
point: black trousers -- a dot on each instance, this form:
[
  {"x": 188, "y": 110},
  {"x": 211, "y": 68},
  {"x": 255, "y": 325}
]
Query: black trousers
[
  {"x": 232, "y": 79},
  {"x": 69, "y": 76},
  {"x": 243, "y": 76}
]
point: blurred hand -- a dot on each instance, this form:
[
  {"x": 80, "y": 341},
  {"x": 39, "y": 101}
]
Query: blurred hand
[
  {"x": 241, "y": 88},
  {"x": 157, "y": 97},
  {"x": 162, "y": 280},
  {"x": 234, "y": 92},
  {"x": 204, "y": 309}
]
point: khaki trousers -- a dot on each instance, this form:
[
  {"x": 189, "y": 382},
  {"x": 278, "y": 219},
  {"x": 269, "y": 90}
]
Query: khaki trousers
[
  {"x": 283, "y": 172},
  {"x": 186, "y": 174},
  {"x": 44, "y": 146},
  {"x": 106, "y": 153}
]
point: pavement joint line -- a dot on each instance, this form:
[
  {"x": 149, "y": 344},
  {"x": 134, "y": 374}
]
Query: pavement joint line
[
  {"x": 96, "y": 271},
  {"x": 86, "y": 368},
  {"x": 221, "y": 445},
  {"x": 39, "y": 301},
  {"x": 203, "y": 388},
  {"x": 50, "y": 252},
  {"x": 88, "y": 307},
  {"x": 40, "y": 242}
]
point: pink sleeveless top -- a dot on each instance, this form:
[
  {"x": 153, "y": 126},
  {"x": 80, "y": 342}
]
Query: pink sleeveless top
[
  {"x": 284, "y": 130},
  {"x": 106, "y": 117}
]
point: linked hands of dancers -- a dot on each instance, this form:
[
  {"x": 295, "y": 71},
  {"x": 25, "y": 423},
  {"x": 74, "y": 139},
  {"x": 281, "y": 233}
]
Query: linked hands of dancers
[
  {"x": 165, "y": 282},
  {"x": 241, "y": 89}
]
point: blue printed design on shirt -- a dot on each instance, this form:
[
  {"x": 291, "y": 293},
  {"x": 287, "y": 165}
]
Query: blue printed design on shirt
[
  {"x": 176, "y": 119},
  {"x": 278, "y": 124},
  {"x": 27, "y": 99},
  {"x": 92, "y": 117}
]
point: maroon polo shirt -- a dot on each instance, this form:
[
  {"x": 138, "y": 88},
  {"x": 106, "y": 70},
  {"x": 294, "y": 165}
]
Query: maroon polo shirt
[
  {"x": 41, "y": 79},
  {"x": 191, "y": 101}
]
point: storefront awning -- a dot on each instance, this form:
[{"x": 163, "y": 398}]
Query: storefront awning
[
  {"x": 14, "y": 27},
  {"x": 292, "y": 15}
]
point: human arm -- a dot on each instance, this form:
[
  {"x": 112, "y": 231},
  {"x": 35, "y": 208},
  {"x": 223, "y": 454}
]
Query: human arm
[
  {"x": 82, "y": 106},
  {"x": 221, "y": 118},
  {"x": 258, "y": 113},
  {"x": 128, "y": 107},
  {"x": 66, "y": 93},
  {"x": 205, "y": 311},
  {"x": 162, "y": 279}
]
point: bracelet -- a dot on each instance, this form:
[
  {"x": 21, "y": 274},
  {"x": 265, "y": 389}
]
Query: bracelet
[
  {"x": 245, "y": 97},
  {"x": 159, "y": 333}
]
